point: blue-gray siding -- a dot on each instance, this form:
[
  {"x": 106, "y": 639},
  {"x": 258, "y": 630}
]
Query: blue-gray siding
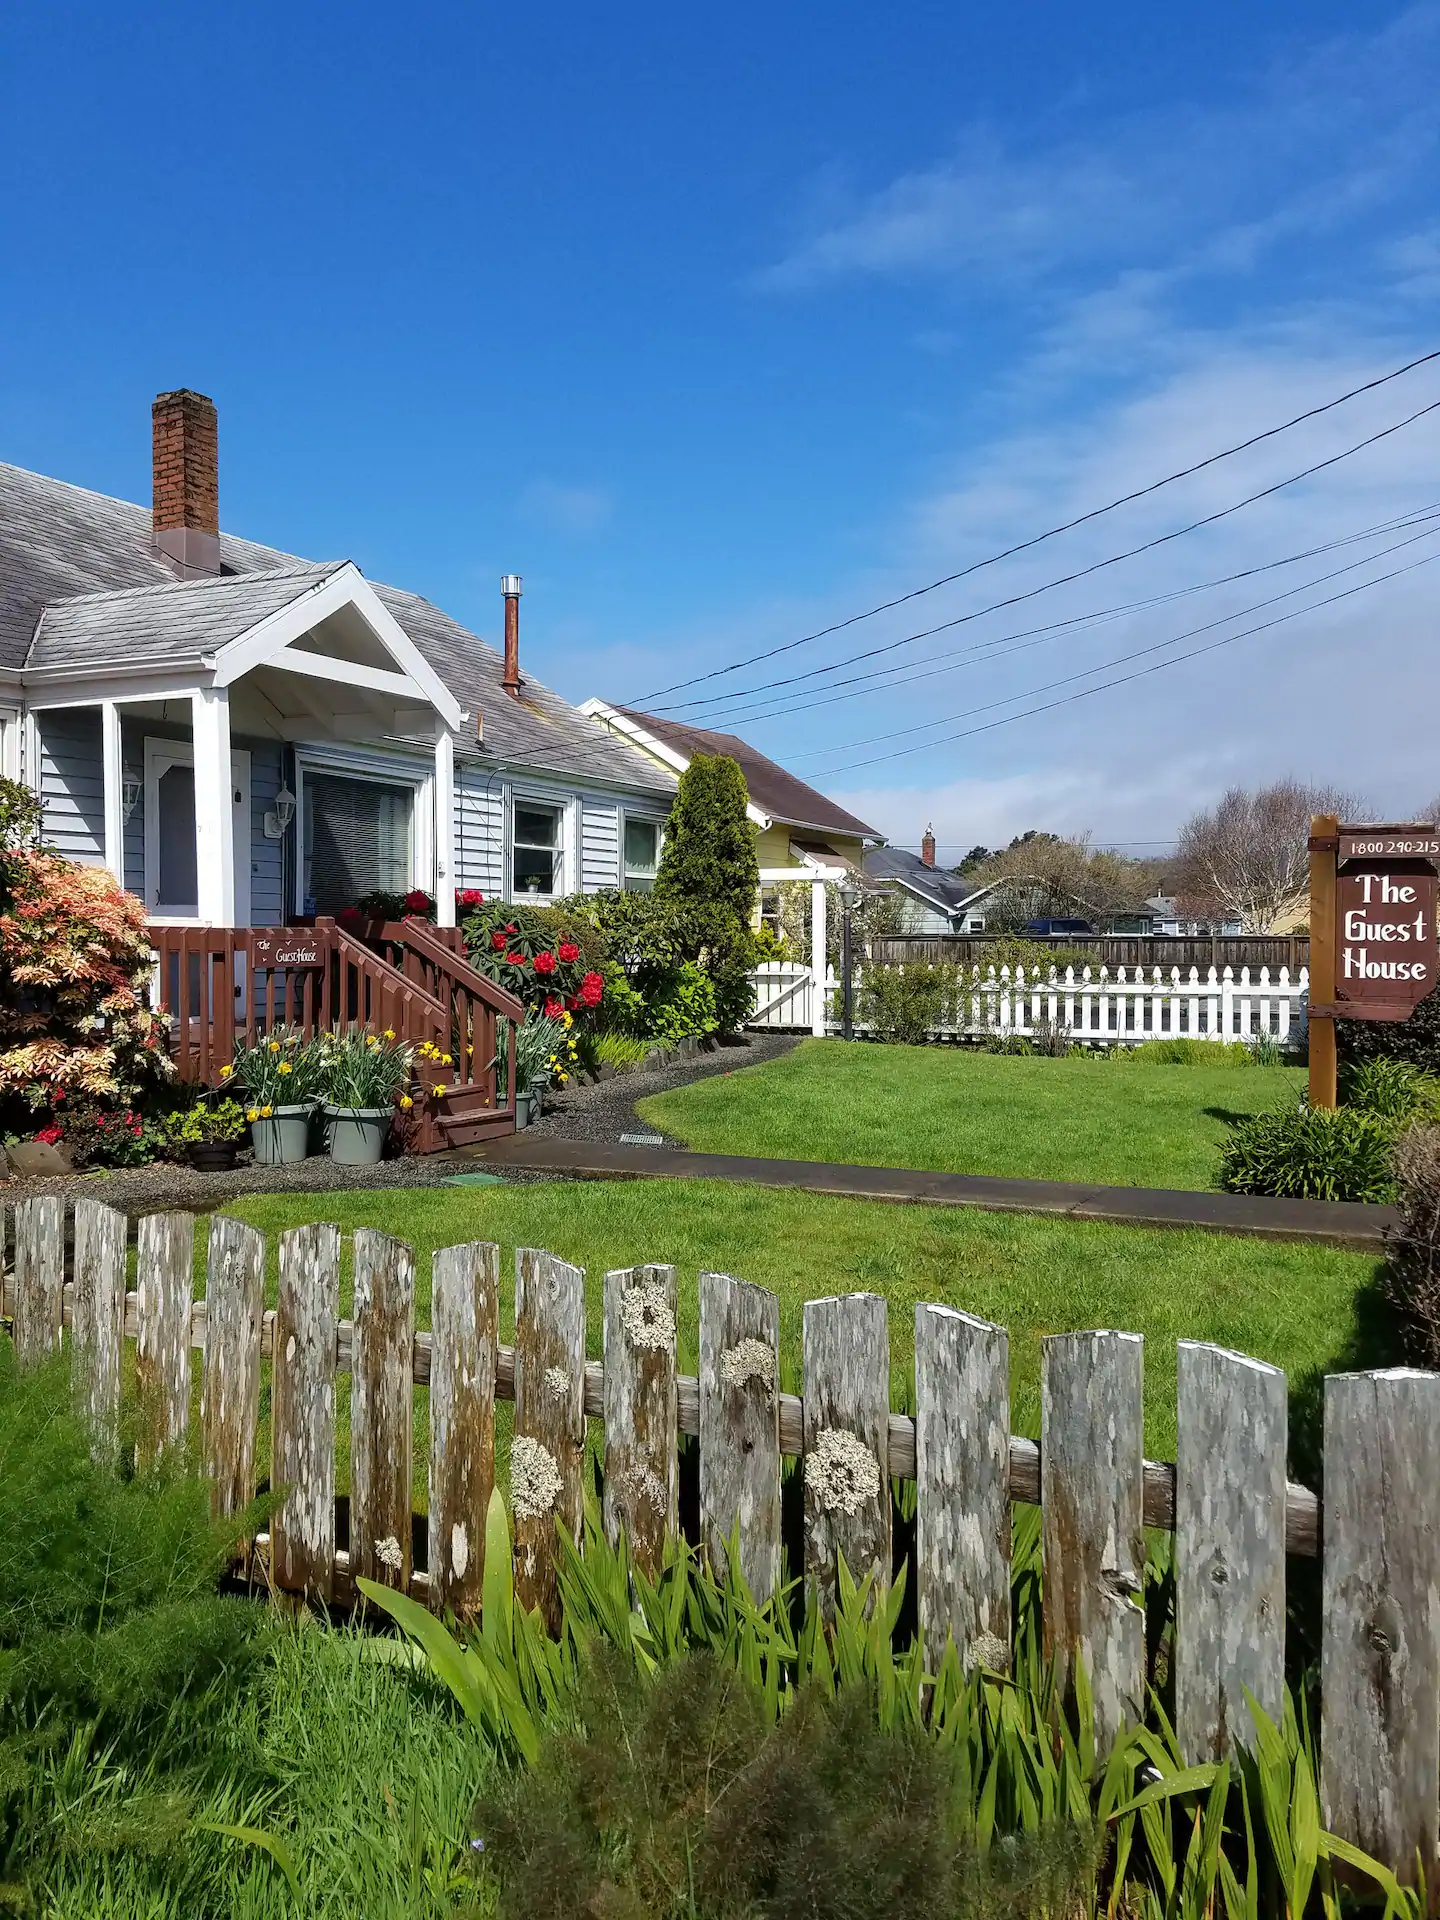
[{"x": 72, "y": 787}]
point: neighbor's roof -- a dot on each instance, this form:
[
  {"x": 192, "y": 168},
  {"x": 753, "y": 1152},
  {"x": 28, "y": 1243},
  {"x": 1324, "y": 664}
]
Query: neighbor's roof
[
  {"x": 771, "y": 788},
  {"x": 79, "y": 586},
  {"x": 943, "y": 889}
]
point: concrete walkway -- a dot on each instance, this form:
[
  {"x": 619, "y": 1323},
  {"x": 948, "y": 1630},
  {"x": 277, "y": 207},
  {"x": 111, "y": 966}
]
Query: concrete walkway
[{"x": 1332, "y": 1223}]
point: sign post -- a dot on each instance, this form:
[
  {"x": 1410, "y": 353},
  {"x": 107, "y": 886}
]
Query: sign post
[
  {"x": 1324, "y": 845},
  {"x": 1373, "y": 946}
]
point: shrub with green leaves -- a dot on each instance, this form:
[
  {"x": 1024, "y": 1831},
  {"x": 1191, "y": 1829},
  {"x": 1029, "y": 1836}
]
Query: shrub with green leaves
[
  {"x": 903, "y": 1003},
  {"x": 1310, "y": 1153},
  {"x": 685, "y": 1009},
  {"x": 1395, "y": 1091}
]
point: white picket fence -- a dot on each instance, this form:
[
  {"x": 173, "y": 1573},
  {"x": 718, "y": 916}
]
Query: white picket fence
[{"x": 1111, "y": 1009}]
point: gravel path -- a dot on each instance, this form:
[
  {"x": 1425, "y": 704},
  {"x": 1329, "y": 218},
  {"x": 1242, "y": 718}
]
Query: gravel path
[
  {"x": 606, "y": 1110},
  {"x": 600, "y": 1112}
]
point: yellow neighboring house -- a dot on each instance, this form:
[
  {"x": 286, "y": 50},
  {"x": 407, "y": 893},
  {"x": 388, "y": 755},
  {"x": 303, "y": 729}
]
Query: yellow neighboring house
[{"x": 797, "y": 828}]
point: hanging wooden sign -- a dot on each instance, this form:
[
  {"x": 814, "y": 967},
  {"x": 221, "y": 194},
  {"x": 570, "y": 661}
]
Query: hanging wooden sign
[
  {"x": 1374, "y": 953},
  {"x": 288, "y": 947}
]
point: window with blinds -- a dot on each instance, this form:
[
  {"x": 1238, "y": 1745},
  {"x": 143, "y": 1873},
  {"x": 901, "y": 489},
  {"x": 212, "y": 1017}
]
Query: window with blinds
[{"x": 357, "y": 840}]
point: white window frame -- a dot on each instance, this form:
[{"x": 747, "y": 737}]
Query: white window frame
[
  {"x": 346, "y": 764},
  {"x": 566, "y": 806},
  {"x": 643, "y": 819},
  {"x": 11, "y": 754}
]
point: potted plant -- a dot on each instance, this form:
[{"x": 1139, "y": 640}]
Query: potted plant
[
  {"x": 537, "y": 1042},
  {"x": 278, "y": 1074},
  {"x": 207, "y": 1134},
  {"x": 362, "y": 1074}
]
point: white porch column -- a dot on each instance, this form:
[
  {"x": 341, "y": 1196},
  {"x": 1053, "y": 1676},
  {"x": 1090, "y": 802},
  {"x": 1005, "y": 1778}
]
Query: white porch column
[
  {"x": 214, "y": 811},
  {"x": 113, "y": 763},
  {"x": 818, "y": 967},
  {"x": 444, "y": 827}
]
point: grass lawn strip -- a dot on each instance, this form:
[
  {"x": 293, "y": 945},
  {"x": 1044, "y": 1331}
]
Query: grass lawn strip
[
  {"x": 948, "y": 1110},
  {"x": 1293, "y": 1305}
]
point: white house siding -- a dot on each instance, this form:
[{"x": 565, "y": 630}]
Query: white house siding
[
  {"x": 72, "y": 788},
  {"x": 918, "y": 916},
  {"x": 479, "y": 830},
  {"x": 599, "y": 844}
]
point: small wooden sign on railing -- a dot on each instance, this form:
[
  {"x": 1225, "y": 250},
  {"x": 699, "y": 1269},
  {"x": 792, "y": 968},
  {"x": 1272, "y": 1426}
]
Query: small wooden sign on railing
[{"x": 1226, "y": 1500}]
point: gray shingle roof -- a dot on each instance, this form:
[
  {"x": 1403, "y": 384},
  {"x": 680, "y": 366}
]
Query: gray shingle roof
[
  {"x": 79, "y": 585},
  {"x": 176, "y": 623},
  {"x": 947, "y": 890}
]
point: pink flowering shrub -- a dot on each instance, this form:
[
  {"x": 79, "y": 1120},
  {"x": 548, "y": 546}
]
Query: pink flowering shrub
[{"x": 75, "y": 1030}]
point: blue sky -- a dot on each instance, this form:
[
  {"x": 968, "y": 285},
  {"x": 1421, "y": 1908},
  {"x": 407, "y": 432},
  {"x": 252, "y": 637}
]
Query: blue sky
[{"x": 721, "y": 325}]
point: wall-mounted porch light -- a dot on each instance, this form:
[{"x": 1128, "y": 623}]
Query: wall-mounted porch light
[
  {"x": 277, "y": 818},
  {"x": 131, "y": 788}
]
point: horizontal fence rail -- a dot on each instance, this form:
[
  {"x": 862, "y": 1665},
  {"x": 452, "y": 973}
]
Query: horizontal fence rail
[
  {"x": 1093, "y": 1005},
  {"x": 1226, "y": 1501}
]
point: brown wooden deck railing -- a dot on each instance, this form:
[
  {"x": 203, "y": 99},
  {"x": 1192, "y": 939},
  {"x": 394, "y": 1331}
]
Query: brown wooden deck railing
[{"x": 223, "y": 985}]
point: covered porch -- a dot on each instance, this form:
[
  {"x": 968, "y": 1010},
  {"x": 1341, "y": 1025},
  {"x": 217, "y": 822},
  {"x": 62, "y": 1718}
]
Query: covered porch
[{"x": 261, "y": 748}]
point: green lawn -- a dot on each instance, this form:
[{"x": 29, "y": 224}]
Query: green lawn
[
  {"x": 1293, "y": 1305},
  {"x": 947, "y": 1110}
]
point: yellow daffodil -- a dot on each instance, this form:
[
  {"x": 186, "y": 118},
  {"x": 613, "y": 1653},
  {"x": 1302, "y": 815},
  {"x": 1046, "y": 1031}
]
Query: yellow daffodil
[
  {"x": 274, "y": 1046},
  {"x": 285, "y": 1067},
  {"x": 406, "y": 1102},
  {"x": 266, "y": 1112},
  {"x": 252, "y": 1113},
  {"x": 438, "y": 1088},
  {"x": 371, "y": 1041},
  {"x": 389, "y": 1033},
  {"x": 225, "y": 1072},
  {"x": 445, "y": 1060}
]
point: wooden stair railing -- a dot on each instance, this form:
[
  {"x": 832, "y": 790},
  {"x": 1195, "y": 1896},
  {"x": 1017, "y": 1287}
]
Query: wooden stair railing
[
  {"x": 435, "y": 958},
  {"x": 221, "y": 984}
]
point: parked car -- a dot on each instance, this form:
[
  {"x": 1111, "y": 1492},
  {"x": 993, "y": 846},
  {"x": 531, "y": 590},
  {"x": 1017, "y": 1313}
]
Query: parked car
[{"x": 1043, "y": 929}]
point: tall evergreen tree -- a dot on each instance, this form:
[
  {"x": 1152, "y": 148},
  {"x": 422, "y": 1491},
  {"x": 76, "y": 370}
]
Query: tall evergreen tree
[
  {"x": 710, "y": 871},
  {"x": 709, "y": 853}
]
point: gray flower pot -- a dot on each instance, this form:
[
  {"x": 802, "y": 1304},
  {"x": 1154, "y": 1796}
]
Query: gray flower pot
[
  {"x": 522, "y": 1111},
  {"x": 356, "y": 1136},
  {"x": 283, "y": 1138}
]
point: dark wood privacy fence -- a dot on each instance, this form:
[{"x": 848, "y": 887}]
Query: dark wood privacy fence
[
  {"x": 1109, "y": 950},
  {"x": 219, "y": 986},
  {"x": 1234, "y": 1517}
]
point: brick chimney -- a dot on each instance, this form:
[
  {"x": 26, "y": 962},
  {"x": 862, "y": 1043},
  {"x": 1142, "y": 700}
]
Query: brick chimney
[
  {"x": 510, "y": 586},
  {"x": 927, "y": 847},
  {"x": 185, "y": 454}
]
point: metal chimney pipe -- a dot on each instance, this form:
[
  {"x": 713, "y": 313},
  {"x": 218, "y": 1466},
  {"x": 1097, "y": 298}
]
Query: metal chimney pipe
[{"x": 510, "y": 586}]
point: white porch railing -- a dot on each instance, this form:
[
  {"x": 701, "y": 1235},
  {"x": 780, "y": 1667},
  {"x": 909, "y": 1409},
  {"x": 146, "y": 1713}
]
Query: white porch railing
[{"x": 1116, "y": 1009}]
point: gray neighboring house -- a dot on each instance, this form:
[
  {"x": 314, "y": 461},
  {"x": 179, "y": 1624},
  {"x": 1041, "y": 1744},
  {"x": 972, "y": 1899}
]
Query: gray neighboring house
[
  {"x": 244, "y": 737},
  {"x": 932, "y": 899}
]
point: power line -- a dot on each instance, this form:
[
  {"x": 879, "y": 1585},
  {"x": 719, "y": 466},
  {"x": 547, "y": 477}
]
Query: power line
[
  {"x": 999, "y": 647},
  {"x": 1140, "y": 673},
  {"x": 1158, "y": 646},
  {"x": 1080, "y": 520}
]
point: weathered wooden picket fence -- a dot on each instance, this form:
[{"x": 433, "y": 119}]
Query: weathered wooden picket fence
[
  {"x": 1226, "y": 1500},
  {"x": 1112, "y": 1009}
]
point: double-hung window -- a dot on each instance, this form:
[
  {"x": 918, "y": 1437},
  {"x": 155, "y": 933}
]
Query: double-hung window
[
  {"x": 356, "y": 840},
  {"x": 537, "y": 858},
  {"x": 642, "y": 854}
]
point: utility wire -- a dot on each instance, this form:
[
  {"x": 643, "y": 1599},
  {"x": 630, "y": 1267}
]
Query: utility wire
[
  {"x": 1080, "y": 573},
  {"x": 1157, "y": 646},
  {"x": 999, "y": 647},
  {"x": 1122, "y": 680}
]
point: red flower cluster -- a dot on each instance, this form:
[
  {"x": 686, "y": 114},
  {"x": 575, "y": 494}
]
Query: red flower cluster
[
  {"x": 569, "y": 952},
  {"x": 553, "y": 1007},
  {"x": 545, "y": 963},
  {"x": 592, "y": 989},
  {"x": 516, "y": 959},
  {"x": 49, "y": 1135},
  {"x": 417, "y": 901},
  {"x": 497, "y": 942},
  {"x": 469, "y": 897}
]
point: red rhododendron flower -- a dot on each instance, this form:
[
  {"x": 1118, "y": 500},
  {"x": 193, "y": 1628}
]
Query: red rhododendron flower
[
  {"x": 469, "y": 897},
  {"x": 553, "y": 1007},
  {"x": 569, "y": 952},
  {"x": 50, "y": 1134},
  {"x": 516, "y": 959},
  {"x": 544, "y": 963},
  {"x": 497, "y": 941},
  {"x": 592, "y": 987},
  {"x": 512, "y": 928},
  {"x": 417, "y": 901}
]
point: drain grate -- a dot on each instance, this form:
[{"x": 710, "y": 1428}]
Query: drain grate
[{"x": 642, "y": 1140}]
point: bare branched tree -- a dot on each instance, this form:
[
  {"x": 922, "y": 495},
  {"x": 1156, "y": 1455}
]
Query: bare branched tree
[
  {"x": 1046, "y": 875},
  {"x": 1246, "y": 857}
]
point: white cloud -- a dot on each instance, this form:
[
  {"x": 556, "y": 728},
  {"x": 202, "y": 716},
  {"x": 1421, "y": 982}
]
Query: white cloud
[{"x": 567, "y": 509}]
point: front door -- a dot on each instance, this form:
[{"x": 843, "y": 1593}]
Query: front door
[{"x": 171, "y": 888}]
